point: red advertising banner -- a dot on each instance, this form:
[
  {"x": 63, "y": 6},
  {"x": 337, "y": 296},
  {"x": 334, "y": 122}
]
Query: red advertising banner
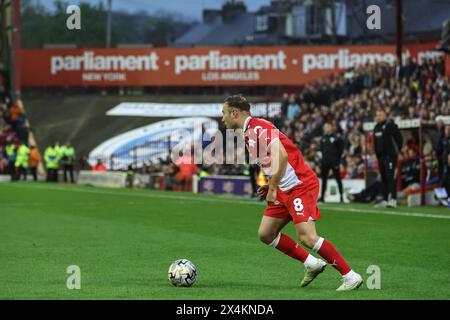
[
  {"x": 212, "y": 66},
  {"x": 447, "y": 65}
]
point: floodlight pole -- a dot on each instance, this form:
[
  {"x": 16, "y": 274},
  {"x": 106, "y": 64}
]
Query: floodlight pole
[
  {"x": 16, "y": 49},
  {"x": 399, "y": 14}
]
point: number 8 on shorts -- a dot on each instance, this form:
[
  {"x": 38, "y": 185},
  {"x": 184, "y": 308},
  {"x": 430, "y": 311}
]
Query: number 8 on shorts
[{"x": 298, "y": 206}]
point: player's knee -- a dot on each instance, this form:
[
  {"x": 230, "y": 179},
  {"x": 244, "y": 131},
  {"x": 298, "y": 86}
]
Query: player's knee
[
  {"x": 308, "y": 240},
  {"x": 266, "y": 237}
]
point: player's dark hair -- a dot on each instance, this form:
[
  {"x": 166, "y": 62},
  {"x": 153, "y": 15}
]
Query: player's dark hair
[{"x": 238, "y": 101}]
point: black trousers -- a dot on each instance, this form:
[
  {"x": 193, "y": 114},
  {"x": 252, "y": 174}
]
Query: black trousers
[
  {"x": 387, "y": 166},
  {"x": 33, "y": 172},
  {"x": 21, "y": 172},
  {"x": 52, "y": 175},
  {"x": 370, "y": 193},
  {"x": 326, "y": 167},
  {"x": 445, "y": 181},
  {"x": 442, "y": 170},
  {"x": 11, "y": 170},
  {"x": 68, "y": 168}
]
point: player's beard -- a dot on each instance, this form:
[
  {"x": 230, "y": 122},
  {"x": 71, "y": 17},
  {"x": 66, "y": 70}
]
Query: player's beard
[{"x": 232, "y": 125}]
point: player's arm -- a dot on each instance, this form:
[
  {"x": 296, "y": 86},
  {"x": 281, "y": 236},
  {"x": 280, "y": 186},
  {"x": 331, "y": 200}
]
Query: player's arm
[{"x": 279, "y": 162}]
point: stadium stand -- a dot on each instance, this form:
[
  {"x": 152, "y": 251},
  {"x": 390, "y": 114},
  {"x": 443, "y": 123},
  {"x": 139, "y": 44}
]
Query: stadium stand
[
  {"x": 8, "y": 133},
  {"x": 346, "y": 100},
  {"x": 349, "y": 99}
]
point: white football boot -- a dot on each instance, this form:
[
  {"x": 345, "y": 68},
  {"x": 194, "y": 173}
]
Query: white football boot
[
  {"x": 312, "y": 272},
  {"x": 351, "y": 282},
  {"x": 392, "y": 203},
  {"x": 382, "y": 204}
]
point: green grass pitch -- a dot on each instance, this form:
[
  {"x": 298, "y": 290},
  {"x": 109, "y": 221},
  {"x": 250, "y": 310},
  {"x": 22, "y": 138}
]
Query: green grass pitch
[{"x": 124, "y": 241}]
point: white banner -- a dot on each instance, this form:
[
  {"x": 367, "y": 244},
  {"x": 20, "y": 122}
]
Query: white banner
[
  {"x": 102, "y": 179},
  {"x": 119, "y": 150},
  {"x": 214, "y": 110},
  {"x": 5, "y": 178}
]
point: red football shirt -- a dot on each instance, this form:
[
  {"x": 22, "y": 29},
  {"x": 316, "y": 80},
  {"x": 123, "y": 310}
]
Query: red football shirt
[{"x": 259, "y": 134}]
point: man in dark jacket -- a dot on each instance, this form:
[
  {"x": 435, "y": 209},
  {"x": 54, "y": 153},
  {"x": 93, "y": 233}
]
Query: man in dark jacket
[
  {"x": 388, "y": 144},
  {"x": 331, "y": 147}
]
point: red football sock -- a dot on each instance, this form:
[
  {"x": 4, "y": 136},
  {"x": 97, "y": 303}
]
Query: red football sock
[
  {"x": 329, "y": 253},
  {"x": 289, "y": 247}
]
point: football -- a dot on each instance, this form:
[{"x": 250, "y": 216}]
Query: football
[{"x": 182, "y": 273}]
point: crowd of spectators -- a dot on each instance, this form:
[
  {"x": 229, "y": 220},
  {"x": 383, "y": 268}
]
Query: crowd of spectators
[
  {"x": 347, "y": 101},
  {"x": 14, "y": 128},
  {"x": 350, "y": 99}
]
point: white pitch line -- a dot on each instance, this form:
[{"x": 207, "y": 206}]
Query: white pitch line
[
  {"x": 157, "y": 196},
  {"x": 233, "y": 201},
  {"x": 390, "y": 213}
]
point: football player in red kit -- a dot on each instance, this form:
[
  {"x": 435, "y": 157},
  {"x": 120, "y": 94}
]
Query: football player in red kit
[{"x": 291, "y": 194}]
